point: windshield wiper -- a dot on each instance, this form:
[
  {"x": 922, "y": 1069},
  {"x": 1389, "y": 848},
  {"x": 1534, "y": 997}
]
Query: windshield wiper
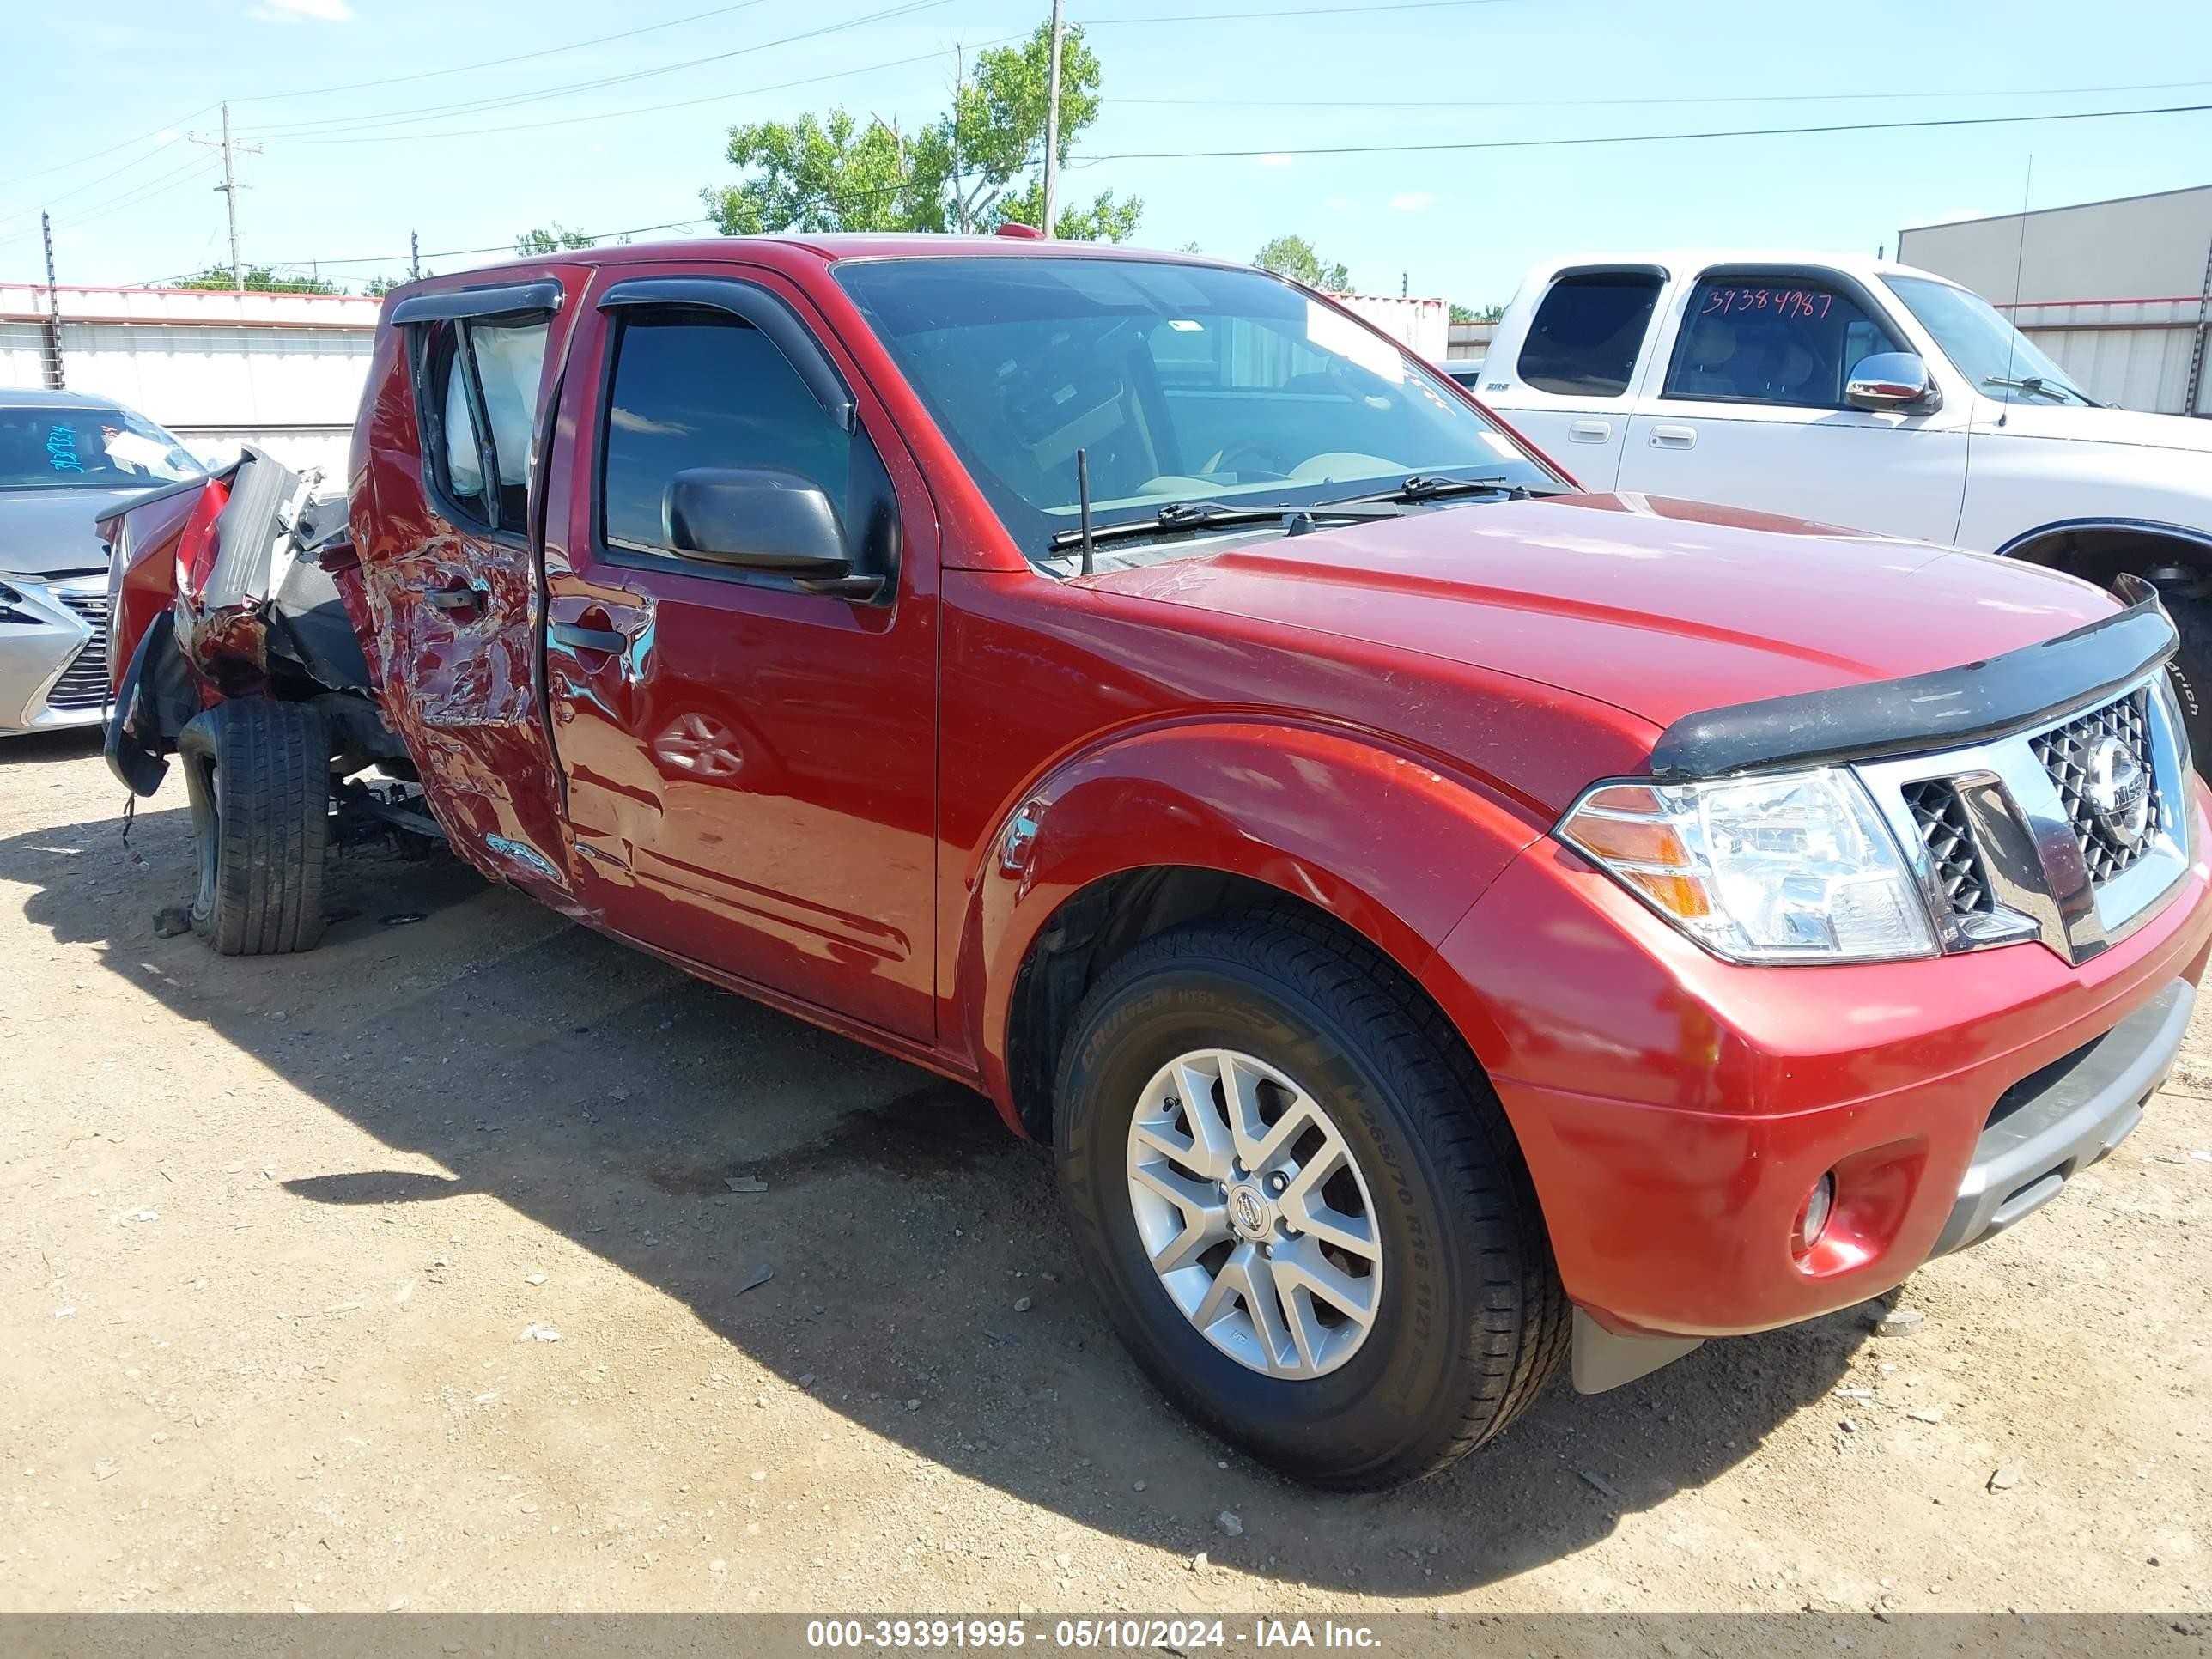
[
  {"x": 2036, "y": 385},
  {"x": 1182, "y": 518},
  {"x": 1429, "y": 487}
]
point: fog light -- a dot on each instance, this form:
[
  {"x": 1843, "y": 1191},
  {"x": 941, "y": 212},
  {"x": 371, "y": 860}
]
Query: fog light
[{"x": 1813, "y": 1219}]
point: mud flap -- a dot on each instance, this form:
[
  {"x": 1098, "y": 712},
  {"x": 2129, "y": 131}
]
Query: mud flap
[{"x": 1604, "y": 1360}]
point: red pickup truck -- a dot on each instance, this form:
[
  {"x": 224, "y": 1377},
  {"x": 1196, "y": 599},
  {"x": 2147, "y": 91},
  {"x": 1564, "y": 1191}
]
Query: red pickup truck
[{"x": 1443, "y": 922}]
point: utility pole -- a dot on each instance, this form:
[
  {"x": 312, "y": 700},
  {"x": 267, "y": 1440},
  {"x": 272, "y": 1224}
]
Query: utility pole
[
  {"x": 53, "y": 329},
  {"x": 1052, "y": 121},
  {"x": 414, "y": 258},
  {"x": 230, "y": 187},
  {"x": 959, "y": 185}
]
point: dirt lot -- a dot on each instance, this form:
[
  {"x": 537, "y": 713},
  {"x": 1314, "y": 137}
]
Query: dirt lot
[{"x": 406, "y": 1273}]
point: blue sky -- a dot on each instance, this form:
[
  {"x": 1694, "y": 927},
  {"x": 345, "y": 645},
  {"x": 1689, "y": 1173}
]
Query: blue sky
[{"x": 1463, "y": 225}]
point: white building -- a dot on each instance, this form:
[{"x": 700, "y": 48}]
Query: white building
[
  {"x": 281, "y": 370},
  {"x": 1419, "y": 326},
  {"x": 2118, "y": 293}
]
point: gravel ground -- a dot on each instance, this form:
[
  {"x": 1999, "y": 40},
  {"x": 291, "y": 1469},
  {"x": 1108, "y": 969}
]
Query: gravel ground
[{"x": 407, "y": 1273}]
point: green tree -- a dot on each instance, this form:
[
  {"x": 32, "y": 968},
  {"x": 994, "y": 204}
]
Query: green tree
[
  {"x": 1294, "y": 256},
  {"x": 1101, "y": 219},
  {"x": 973, "y": 168},
  {"x": 815, "y": 174},
  {"x": 1460, "y": 313},
  {"x": 261, "y": 279},
  {"x": 559, "y": 240}
]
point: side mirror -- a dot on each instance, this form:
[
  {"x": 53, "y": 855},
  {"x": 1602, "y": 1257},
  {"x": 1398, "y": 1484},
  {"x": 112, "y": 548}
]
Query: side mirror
[
  {"x": 757, "y": 518},
  {"x": 1893, "y": 380}
]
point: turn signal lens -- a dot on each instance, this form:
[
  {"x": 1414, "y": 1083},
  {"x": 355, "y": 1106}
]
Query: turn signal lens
[{"x": 1797, "y": 867}]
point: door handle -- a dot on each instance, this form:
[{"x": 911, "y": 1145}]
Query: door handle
[
  {"x": 576, "y": 637},
  {"x": 1589, "y": 432},
  {"x": 1674, "y": 437},
  {"x": 456, "y": 599}
]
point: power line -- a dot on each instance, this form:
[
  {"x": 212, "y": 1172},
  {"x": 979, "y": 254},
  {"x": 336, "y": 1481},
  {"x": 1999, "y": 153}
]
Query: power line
[
  {"x": 318, "y": 263},
  {"x": 1302, "y": 12},
  {"x": 640, "y": 109},
  {"x": 507, "y": 247},
  {"x": 368, "y": 120},
  {"x": 130, "y": 196},
  {"x": 364, "y": 121},
  {"x": 1649, "y": 137},
  {"x": 198, "y": 168},
  {"x": 1616, "y": 103},
  {"x": 93, "y": 156},
  {"x": 79, "y": 190},
  {"x": 495, "y": 63}
]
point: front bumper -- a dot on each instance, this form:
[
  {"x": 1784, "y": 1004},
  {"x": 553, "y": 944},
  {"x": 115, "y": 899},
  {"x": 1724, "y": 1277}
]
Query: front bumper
[
  {"x": 53, "y": 666},
  {"x": 1676, "y": 1110},
  {"x": 2065, "y": 1117}
]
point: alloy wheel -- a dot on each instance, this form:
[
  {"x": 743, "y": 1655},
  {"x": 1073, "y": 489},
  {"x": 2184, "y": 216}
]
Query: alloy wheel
[{"x": 1255, "y": 1215}]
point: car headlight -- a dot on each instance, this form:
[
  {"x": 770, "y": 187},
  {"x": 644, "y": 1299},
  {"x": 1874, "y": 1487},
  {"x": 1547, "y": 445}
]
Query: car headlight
[{"x": 1798, "y": 867}]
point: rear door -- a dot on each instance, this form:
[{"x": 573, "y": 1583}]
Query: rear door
[
  {"x": 1565, "y": 383},
  {"x": 1746, "y": 408},
  {"x": 447, "y": 572},
  {"x": 750, "y": 766}
]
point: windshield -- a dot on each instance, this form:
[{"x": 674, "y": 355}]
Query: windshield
[
  {"x": 1180, "y": 383},
  {"x": 79, "y": 446},
  {"x": 2000, "y": 359}
]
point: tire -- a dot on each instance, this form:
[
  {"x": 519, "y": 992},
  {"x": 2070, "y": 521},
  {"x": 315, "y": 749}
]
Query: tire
[
  {"x": 2192, "y": 671},
  {"x": 1470, "y": 1320},
  {"x": 259, "y": 776}
]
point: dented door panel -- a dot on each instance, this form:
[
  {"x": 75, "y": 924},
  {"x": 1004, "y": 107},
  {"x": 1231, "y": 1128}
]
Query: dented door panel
[{"x": 452, "y": 609}]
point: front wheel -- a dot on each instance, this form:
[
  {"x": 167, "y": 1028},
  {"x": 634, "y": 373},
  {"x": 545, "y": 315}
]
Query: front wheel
[{"x": 1301, "y": 1203}]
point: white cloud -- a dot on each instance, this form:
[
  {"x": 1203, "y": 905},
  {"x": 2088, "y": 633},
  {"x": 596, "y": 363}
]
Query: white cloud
[
  {"x": 1276, "y": 159},
  {"x": 1413, "y": 201},
  {"x": 1339, "y": 201},
  {"x": 291, "y": 11},
  {"x": 164, "y": 136}
]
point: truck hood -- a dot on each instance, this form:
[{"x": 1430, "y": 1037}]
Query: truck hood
[
  {"x": 2072, "y": 424},
  {"x": 46, "y": 532},
  {"x": 1661, "y": 608}
]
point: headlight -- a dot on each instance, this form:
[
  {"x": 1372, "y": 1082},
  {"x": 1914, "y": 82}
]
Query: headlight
[{"x": 1793, "y": 868}]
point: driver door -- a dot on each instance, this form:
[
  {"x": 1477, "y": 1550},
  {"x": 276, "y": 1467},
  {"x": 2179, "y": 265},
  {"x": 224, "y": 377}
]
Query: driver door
[{"x": 750, "y": 765}]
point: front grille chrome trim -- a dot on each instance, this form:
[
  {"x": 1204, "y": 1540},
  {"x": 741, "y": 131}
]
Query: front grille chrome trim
[{"x": 2030, "y": 847}]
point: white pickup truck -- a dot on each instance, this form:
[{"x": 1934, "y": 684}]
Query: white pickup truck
[{"x": 1857, "y": 392}]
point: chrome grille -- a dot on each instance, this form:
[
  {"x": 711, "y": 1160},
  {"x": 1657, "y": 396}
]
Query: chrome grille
[
  {"x": 1940, "y": 816},
  {"x": 83, "y": 683},
  {"x": 2006, "y": 847},
  {"x": 2065, "y": 753}
]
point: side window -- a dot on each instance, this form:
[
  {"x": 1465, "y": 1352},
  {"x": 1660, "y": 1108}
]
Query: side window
[
  {"x": 695, "y": 387},
  {"x": 1584, "y": 339},
  {"x": 1787, "y": 340},
  {"x": 481, "y": 381}
]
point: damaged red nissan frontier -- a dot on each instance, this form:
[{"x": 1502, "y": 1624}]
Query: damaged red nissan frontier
[{"x": 1448, "y": 925}]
